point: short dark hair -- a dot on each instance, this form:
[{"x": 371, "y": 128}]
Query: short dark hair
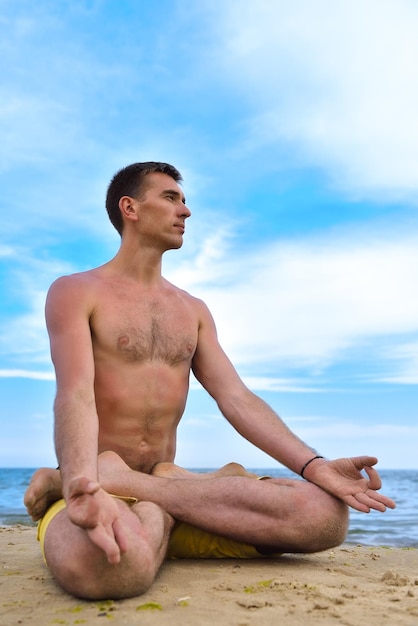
[{"x": 129, "y": 181}]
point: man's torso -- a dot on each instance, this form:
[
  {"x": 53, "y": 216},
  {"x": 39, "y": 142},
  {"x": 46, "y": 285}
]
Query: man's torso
[{"x": 143, "y": 344}]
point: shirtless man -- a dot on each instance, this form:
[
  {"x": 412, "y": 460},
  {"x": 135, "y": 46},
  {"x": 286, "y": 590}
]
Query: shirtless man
[{"x": 123, "y": 343}]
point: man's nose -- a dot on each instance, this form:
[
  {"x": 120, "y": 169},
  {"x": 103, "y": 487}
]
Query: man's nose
[{"x": 186, "y": 212}]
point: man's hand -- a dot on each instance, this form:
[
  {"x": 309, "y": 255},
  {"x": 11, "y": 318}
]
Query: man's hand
[
  {"x": 93, "y": 509},
  {"x": 343, "y": 478}
]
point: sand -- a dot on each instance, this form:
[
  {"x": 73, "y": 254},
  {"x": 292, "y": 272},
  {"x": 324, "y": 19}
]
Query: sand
[{"x": 350, "y": 585}]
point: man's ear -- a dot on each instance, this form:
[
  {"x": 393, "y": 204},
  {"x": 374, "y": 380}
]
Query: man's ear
[{"x": 128, "y": 208}]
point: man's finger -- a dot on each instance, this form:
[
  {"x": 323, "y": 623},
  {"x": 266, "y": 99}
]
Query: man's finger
[
  {"x": 105, "y": 542},
  {"x": 374, "y": 478},
  {"x": 364, "y": 461},
  {"x": 120, "y": 535},
  {"x": 355, "y": 504},
  {"x": 370, "y": 502},
  {"x": 387, "y": 502}
]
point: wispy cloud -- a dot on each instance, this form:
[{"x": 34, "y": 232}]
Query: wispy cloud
[
  {"x": 271, "y": 383},
  {"x": 32, "y": 375},
  {"x": 309, "y": 301},
  {"x": 353, "y": 430},
  {"x": 404, "y": 359},
  {"x": 340, "y": 90},
  {"x": 25, "y": 280},
  {"x": 394, "y": 444}
]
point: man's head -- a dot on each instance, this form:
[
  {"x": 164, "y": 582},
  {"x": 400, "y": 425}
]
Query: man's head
[{"x": 132, "y": 181}]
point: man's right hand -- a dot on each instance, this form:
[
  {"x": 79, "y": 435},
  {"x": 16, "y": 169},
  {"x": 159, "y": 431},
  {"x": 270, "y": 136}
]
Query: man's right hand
[{"x": 93, "y": 509}]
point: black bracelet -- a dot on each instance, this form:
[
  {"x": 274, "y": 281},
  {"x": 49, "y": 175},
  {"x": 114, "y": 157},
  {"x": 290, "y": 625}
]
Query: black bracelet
[{"x": 307, "y": 463}]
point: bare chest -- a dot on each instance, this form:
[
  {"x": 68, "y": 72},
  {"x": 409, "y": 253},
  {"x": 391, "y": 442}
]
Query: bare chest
[{"x": 146, "y": 330}]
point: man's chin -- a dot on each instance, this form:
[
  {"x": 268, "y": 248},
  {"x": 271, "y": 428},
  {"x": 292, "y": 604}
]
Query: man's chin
[{"x": 175, "y": 245}]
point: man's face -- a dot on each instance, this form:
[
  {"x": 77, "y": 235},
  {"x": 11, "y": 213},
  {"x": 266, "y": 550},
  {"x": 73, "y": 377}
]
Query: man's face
[{"x": 162, "y": 212}]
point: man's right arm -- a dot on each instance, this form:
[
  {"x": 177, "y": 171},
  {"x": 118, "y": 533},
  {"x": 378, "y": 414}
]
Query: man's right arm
[
  {"x": 69, "y": 308},
  {"x": 68, "y": 311}
]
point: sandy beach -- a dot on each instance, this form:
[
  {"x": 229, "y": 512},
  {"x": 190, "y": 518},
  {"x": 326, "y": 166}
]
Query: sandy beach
[{"x": 349, "y": 585}]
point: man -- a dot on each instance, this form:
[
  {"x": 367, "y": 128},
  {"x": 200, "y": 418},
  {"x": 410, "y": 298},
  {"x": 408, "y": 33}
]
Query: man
[{"x": 123, "y": 343}]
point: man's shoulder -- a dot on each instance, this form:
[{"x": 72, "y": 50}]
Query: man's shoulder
[
  {"x": 187, "y": 296},
  {"x": 77, "y": 285},
  {"x": 88, "y": 278}
]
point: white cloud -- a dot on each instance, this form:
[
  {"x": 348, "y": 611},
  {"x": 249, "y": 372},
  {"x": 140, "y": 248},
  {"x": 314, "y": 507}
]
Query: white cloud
[
  {"x": 355, "y": 431},
  {"x": 405, "y": 362},
  {"x": 24, "y": 339},
  {"x": 6, "y": 251},
  {"x": 394, "y": 445},
  {"x": 29, "y": 126},
  {"x": 308, "y": 301},
  {"x": 337, "y": 80},
  {"x": 208, "y": 263},
  {"x": 23, "y": 335},
  {"x": 32, "y": 375},
  {"x": 266, "y": 383}
]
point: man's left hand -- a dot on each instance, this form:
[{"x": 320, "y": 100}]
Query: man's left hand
[{"x": 344, "y": 479}]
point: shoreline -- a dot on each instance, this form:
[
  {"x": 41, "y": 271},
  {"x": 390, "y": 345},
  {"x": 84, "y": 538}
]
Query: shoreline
[
  {"x": 350, "y": 542},
  {"x": 347, "y": 585}
]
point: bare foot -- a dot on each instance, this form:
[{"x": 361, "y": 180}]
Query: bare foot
[
  {"x": 170, "y": 470},
  {"x": 117, "y": 477},
  {"x": 44, "y": 489},
  {"x": 114, "y": 474}
]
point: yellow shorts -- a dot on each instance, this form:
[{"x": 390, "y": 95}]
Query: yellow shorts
[{"x": 186, "y": 542}]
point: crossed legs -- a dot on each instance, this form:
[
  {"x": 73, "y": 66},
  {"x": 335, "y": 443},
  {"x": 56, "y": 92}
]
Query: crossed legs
[{"x": 275, "y": 515}]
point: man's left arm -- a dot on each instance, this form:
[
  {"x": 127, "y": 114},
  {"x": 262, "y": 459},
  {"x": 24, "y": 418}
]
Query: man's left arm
[{"x": 256, "y": 421}]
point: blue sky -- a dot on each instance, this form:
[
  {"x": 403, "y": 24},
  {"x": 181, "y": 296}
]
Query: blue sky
[{"x": 294, "y": 125}]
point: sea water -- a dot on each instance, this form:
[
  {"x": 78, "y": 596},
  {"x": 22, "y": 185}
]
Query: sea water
[{"x": 395, "y": 528}]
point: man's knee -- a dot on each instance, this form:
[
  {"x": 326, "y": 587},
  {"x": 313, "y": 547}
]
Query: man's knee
[
  {"x": 82, "y": 569},
  {"x": 101, "y": 580},
  {"x": 312, "y": 521},
  {"x": 324, "y": 519}
]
